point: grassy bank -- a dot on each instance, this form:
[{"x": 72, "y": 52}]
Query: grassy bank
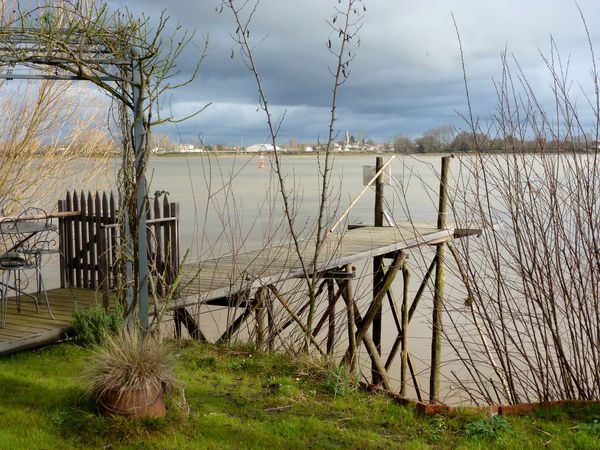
[{"x": 237, "y": 398}]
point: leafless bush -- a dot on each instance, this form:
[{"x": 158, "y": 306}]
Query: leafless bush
[{"x": 530, "y": 326}]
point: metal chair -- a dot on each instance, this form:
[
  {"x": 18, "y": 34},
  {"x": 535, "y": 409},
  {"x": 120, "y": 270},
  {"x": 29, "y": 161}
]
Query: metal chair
[{"x": 25, "y": 238}]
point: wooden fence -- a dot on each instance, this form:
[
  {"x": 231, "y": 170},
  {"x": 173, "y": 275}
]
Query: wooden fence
[{"x": 90, "y": 238}]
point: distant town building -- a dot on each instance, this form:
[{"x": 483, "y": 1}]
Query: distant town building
[
  {"x": 182, "y": 148},
  {"x": 262, "y": 148}
]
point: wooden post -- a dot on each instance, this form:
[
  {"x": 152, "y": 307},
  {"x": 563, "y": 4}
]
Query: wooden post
[
  {"x": 182, "y": 316},
  {"x": 404, "y": 314},
  {"x": 270, "y": 324},
  {"x": 62, "y": 244},
  {"x": 260, "y": 314},
  {"x": 377, "y": 268},
  {"x": 438, "y": 293},
  {"x": 331, "y": 314},
  {"x": 351, "y": 320},
  {"x": 103, "y": 269}
]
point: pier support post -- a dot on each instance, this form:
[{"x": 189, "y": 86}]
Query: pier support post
[
  {"x": 260, "y": 313},
  {"x": 349, "y": 296},
  {"x": 331, "y": 299},
  {"x": 377, "y": 269},
  {"x": 438, "y": 293},
  {"x": 404, "y": 315}
]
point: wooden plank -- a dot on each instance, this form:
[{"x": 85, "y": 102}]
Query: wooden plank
[
  {"x": 69, "y": 242},
  {"x": 84, "y": 253},
  {"x": 93, "y": 242}
]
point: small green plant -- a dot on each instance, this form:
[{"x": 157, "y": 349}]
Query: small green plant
[
  {"x": 487, "y": 428},
  {"x": 592, "y": 426},
  {"x": 439, "y": 428},
  {"x": 205, "y": 362},
  {"x": 93, "y": 325},
  {"x": 338, "y": 380},
  {"x": 241, "y": 364}
]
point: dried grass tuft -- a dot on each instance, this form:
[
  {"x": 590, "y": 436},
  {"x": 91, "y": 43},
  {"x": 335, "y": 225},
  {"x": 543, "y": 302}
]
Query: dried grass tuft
[{"x": 129, "y": 362}]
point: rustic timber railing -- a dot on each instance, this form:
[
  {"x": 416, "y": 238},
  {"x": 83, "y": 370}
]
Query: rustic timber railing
[{"x": 89, "y": 241}]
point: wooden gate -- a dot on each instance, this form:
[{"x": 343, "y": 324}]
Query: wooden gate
[{"x": 90, "y": 238}]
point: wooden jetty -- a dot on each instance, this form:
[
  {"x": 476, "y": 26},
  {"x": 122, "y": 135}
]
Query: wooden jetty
[
  {"x": 216, "y": 281},
  {"x": 249, "y": 283},
  {"x": 219, "y": 281}
]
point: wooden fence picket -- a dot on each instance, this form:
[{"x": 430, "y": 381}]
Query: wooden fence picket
[{"x": 89, "y": 241}]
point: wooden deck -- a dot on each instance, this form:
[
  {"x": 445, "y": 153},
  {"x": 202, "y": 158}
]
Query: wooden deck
[
  {"x": 28, "y": 328},
  {"x": 215, "y": 280}
]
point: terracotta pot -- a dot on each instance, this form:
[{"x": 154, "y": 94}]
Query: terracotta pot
[{"x": 134, "y": 403}]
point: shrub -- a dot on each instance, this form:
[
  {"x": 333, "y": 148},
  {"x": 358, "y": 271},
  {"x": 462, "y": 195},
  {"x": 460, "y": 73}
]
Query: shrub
[{"x": 93, "y": 325}]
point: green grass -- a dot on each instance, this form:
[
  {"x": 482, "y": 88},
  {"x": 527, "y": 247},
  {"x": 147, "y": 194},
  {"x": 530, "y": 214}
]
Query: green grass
[{"x": 238, "y": 398}]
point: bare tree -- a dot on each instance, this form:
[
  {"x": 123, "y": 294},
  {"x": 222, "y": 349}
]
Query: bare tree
[
  {"x": 345, "y": 25},
  {"x": 530, "y": 326}
]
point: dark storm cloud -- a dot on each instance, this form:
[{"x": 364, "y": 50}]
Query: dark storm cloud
[{"x": 406, "y": 76}]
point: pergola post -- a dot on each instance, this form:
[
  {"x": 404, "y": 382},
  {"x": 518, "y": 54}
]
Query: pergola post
[{"x": 138, "y": 149}]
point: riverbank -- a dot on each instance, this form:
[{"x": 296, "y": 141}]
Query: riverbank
[{"x": 238, "y": 398}]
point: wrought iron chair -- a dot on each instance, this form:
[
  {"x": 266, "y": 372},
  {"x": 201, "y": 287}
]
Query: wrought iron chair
[{"x": 25, "y": 238}]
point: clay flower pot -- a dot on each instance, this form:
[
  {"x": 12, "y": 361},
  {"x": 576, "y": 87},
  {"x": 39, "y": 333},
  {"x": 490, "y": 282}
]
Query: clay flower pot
[
  {"x": 135, "y": 403},
  {"x": 128, "y": 374}
]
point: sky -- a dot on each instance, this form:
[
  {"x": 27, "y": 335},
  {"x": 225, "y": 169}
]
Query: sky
[{"x": 405, "y": 78}]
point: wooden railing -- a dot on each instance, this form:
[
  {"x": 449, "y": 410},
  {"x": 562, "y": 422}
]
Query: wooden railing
[{"x": 90, "y": 238}]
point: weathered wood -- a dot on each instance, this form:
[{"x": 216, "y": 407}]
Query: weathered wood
[
  {"x": 97, "y": 231},
  {"x": 157, "y": 255},
  {"x": 377, "y": 267},
  {"x": 80, "y": 221},
  {"x": 351, "y": 321},
  {"x": 378, "y": 283},
  {"x": 115, "y": 261},
  {"x": 422, "y": 287},
  {"x": 260, "y": 313},
  {"x": 329, "y": 314},
  {"x": 436, "y": 318},
  {"x": 172, "y": 250},
  {"x": 413, "y": 374},
  {"x": 296, "y": 319},
  {"x": 376, "y": 303},
  {"x": 92, "y": 243},
  {"x": 84, "y": 250},
  {"x": 367, "y": 340},
  {"x": 290, "y": 322},
  {"x": 404, "y": 335},
  {"x": 61, "y": 243},
  {"x": 235, "y": 325},
  {"x": 103, "y": 268},
  {"x": 181, "y": 316},
  {"x": 77, "y": 243},
  {"x": 393, "y": 352}
]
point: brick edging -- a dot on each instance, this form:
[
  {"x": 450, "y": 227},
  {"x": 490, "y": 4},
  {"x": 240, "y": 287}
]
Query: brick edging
[{"x": 430, "y": 409}]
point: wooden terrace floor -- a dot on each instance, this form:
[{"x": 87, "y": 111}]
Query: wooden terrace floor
[{"x": 28, "y": 328}]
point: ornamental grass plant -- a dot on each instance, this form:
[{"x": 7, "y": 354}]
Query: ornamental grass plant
[{"x": 129, "y": 362}]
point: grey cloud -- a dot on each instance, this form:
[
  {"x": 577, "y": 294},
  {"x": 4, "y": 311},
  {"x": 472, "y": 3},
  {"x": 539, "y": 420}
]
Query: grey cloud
[{"x": 406, "y": 76}]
